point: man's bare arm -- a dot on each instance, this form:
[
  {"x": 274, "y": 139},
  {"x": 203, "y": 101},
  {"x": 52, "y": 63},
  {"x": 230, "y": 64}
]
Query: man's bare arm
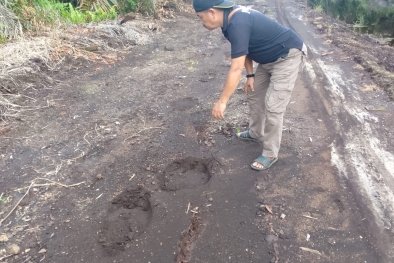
[{"x": 234, "y": 75}]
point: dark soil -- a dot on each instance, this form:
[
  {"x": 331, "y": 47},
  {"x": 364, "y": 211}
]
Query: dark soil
[
  {"x": 161, "y": 181},
  {"x": 127, "y": 218},
  {"x": 188, "y": 173}
]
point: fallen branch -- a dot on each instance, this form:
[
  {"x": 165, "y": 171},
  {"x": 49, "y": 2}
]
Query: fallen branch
[
  {"x": 310, "y": 217},
  {"x": 52, "y": 183},
  {"x": 28, "y": 189},
  {"x": 12, "y": 210},
  {"x": 6, "y": 256},
  {"x": 145, "y": 129},
  {"x": 36, "y": 185},
  {"x": 188, "y": 207},
  {"x": 310, "y": 250},
  {"x": 84, "y": 137}
]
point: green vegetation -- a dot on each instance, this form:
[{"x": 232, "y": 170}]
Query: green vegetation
[
  {"x": 361, "y": 13},
  {"x": 35, "y": 15}
]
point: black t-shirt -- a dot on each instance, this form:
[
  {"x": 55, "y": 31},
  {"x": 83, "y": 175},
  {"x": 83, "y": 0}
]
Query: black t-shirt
[{"x": 259, "y": 37}]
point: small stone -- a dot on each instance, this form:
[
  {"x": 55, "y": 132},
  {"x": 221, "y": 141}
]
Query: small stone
[
  {"x": 99, "y": 177},
  {"x": 13, "y": 249},
  {"x": 148, "y": 168},
  {"x": 50, "y": 80},
  {"x": 149, "y": 176},
  {"x": 210, "y": 199},
  {"x": 67, "y": 181},
  {"x": 153, "y": 183},
  {"x": 271, "y": 239},
  {"x": 131, "y": 235},
  {"x": 3, "y": 238},
  {"x": 282, "y": 216}
]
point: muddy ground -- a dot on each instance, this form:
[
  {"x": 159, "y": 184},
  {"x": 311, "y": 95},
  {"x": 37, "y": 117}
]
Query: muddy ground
[{"x": 146, "y": 175}]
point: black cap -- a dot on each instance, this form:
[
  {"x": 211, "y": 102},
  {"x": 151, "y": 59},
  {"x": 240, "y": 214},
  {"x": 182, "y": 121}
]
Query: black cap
[{"x": 202, "y": 5}]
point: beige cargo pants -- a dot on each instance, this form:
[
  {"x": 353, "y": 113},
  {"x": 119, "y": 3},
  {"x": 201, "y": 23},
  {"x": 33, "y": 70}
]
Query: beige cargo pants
[{"x": 273, "y": 85}]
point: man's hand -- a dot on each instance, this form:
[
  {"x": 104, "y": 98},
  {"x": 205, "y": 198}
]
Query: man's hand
[
  {"x": 249, "y": 83},
  {"x": 218, "y": 110}
]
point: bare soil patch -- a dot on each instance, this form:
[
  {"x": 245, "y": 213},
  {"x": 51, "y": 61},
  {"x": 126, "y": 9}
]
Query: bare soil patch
[
  {"x": 128, "y": 216},
  {"x": 186, "y": 174},
  {"x": 139, "y": 133},
  {"x": 376, "y": 58}
]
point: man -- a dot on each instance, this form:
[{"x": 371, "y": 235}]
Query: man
[{"x": 277, "y": 49}]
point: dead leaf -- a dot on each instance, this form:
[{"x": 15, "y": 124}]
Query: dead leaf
[
  {"x": 369, "y": 88},
  {"x": 358, "y": 66},
  {"x": 326, "y": 53},
  {"x": 4, "y": 130},
  {"x": 268, "y": 209},
  {"x": 309, "y": 217},
  {"x": 375, "y": 109},
  {"x": 311, "y": 250}
]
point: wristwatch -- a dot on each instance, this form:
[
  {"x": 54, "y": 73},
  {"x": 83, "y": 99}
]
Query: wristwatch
[{"x": 250, "y": 75}]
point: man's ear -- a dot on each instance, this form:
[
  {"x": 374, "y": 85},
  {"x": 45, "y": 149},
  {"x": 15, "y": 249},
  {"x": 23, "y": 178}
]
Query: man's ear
[{"x": 212, "y": 12}]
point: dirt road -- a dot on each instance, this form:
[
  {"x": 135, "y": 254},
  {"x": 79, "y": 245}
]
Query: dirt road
[{"x": 164, "y": 182}]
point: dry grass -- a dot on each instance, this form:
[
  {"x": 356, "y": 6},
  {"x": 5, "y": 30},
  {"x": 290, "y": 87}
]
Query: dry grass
[
  {"x": 52, "y": 48},
  {"x": 10, "y": 27},
  {"x": 30, "y": 57},
  {"x": 9, "y": 107},
  {"x": 15, "y": 53}
]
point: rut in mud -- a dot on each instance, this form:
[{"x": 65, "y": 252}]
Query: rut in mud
[
  {"x": 187, "y": 173},
  {"x": 127, "y": 218},
  {"x": 188, "y": 239}
]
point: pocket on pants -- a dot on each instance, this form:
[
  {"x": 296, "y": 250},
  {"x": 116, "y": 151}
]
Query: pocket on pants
[{"x": 278, "y": 97}]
